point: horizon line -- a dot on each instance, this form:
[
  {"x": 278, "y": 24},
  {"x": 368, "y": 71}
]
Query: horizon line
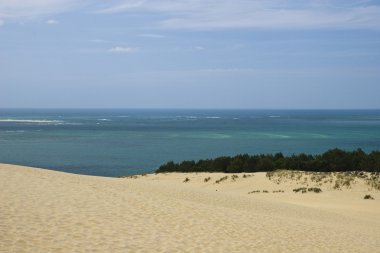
[{"x": 173, "y": 108}]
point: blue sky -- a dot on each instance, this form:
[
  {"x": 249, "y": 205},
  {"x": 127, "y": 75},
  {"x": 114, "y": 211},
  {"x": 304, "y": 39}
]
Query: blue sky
[{"x": 190, "y": 54}]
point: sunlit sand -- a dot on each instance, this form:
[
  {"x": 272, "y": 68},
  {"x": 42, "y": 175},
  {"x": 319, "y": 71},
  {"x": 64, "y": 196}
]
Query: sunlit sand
[{"x": 48, "y": 211}]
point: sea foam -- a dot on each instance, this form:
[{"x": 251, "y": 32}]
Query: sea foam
[{"x": 32, "y": 121}]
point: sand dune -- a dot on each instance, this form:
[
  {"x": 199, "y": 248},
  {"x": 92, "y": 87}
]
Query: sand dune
[{"x": 49, "y": 211}]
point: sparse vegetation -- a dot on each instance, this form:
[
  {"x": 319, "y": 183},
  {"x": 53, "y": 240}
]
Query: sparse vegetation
[
  {"x": 368, "y": 197},
  {"x": 234, "y": 177},
  {"x": 221, "y": 179},
  {"x": 186, "y": 180},
  {"x": 305, "y": 190},
  {"x": 334, "y": 180},
  {"x": 302, "y": 189},
  {"x": 130, "y": 176},
  {"x": 247, "y": 175},
  {"x": 314, "y": 189},
  {"x": 374, "y": 180},
  {"x": 207, "y": 179},
  {"x": 265, "y": 191}
]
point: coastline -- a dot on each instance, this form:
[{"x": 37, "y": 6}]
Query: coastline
[{"x": 51, "y": 211}]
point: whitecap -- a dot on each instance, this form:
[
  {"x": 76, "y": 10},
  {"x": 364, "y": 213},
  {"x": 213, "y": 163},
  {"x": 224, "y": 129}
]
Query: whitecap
[
  {"x": 213, "y": 117},
  {"x": 280, "y": 136},
  {"x": 42, "y": 121}
]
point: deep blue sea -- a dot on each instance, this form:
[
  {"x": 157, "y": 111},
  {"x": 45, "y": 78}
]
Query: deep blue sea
[{"x": 120, "y": 142}]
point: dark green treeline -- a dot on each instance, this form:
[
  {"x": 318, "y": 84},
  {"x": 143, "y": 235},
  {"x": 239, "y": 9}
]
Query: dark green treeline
[{"x": 332, "y": 160}]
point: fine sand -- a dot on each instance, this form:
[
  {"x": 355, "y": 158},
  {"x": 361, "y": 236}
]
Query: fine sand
[{"x": 49, "y": 211}]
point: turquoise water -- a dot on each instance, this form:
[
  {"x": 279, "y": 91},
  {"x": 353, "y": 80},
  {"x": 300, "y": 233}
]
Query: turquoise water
[{"x": 122, "y": 142}]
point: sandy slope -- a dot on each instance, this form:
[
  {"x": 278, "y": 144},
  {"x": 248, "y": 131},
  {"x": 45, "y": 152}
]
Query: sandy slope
[{"x": 49, "y": 211}]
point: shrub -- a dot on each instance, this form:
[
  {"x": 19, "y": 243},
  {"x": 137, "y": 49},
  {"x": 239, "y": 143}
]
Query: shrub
[
  {"x": 234, "y": 177},
  {"x": 130, "y": 176},
  {"x": 207, "y": 179},
  {"x": 303, "y": 189},
  {"x": 314, "y": 189},
  {"x": 221, "y": 179},
  {"x": 336, "y": 185},
  {"x": 186, "y": 180},
  {"x": 368, "y": 197}
]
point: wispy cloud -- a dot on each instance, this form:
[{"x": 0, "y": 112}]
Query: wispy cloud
[
  {"x": 199, "y": 48},
  {"x": 1, "y": 22},
  {"x": 278, "y": 14},
  {"x": 120, "y": 7},
  {"x": 214, "y": 14},
  {"x": 122, "y": 50},
  {"x": 28, "y": 9},
  {"x": 52, "y": 22}
]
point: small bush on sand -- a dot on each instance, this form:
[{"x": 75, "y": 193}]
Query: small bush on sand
[
  {"x": 257, "y": 191},
  {"x": 305, "y": 190},
  {"x": 368, "y": 197},
  {"x": 315, "y": 189},
  {"x": 302, "y": 189},
  {"x": 265, "y": 191},
  {"x": 336, "y": 185},
  {"x": 233, "y": 177},
  {"x": 186, "y": 180},
  {"x": 207, "y": 179},
  {"x": 221, "y": 179}
]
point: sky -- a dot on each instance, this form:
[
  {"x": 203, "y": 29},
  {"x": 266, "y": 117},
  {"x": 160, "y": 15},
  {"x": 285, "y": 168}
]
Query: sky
[{"x": 278, "y": 54}]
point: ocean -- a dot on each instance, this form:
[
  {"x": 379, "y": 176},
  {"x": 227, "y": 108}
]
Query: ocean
[{"x": 117, "y": 142}]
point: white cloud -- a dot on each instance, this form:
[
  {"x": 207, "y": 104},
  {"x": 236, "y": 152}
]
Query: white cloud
[
  {"x": 52, "y": 22},
  {"x": 199, "y": 48},
  {"x": 278, "y": 14},
  {"x": 122, "y": 50}
]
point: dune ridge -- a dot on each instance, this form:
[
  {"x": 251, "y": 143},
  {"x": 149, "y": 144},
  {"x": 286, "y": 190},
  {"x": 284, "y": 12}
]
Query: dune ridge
[{"x": 49, "y": 211}]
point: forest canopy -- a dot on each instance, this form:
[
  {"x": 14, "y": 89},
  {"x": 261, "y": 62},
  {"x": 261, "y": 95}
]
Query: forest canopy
[{"x": 333, "y": 160}]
